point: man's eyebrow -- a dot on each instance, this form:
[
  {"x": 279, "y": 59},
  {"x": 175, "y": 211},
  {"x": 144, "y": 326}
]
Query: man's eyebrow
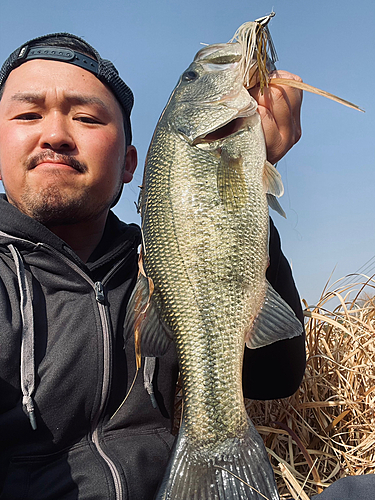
[
  {"x": 86, "y": 99},
  {"x": 27, "y": 97},
  {"x": 36, "y": 97}
]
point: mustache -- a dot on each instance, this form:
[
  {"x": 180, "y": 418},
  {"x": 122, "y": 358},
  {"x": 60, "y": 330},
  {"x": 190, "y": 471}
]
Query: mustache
[{"x": 58, "y": 158}]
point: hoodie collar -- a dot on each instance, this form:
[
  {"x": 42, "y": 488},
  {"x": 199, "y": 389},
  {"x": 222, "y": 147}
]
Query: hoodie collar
[{"x": 116, "y": 235}]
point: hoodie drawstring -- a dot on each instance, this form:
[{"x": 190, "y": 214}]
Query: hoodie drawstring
[
  {"x": 27, "y": 345},
  {"x": 148, "y": 375},
  {"x": 27, "y": 341}
]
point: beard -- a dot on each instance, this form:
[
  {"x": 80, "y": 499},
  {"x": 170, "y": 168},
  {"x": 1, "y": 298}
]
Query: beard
[{"x": 51, "y": 206}]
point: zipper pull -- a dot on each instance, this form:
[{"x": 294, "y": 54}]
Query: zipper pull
[{"x": 99, "y": 292}]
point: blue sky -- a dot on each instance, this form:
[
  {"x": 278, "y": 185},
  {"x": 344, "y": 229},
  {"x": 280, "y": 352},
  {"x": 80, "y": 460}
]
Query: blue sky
[{"x": 329, "y": 176}]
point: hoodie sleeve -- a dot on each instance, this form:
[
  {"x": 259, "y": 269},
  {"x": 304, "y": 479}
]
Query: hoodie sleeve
[{"x": 276, "y": 370}]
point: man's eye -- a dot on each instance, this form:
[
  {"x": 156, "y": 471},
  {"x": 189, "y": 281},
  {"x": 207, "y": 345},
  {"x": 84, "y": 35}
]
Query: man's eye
[
  {"x": 28, "y": 116},
  {"x": 88, "y": 119}
]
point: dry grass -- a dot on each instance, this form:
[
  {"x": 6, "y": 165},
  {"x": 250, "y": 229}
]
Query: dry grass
[{"x": 326, "y": 430}]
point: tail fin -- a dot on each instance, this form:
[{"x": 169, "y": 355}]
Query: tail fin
[{"x": 240, "y": 470}]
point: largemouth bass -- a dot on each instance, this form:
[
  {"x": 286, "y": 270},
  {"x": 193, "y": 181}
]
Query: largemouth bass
[{"x": 204, "y": 207}]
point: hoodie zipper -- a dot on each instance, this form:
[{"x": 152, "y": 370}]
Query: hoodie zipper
[{"x": 100, "y": 299}]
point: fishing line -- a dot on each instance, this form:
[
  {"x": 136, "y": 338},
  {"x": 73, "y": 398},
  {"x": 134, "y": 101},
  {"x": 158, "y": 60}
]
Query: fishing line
[
  {"x": 287, "y": 192},
  {"x": 127, "y": 395},
  {"x": 242, "y": 481},
  {"x": 367, "y": 268}
]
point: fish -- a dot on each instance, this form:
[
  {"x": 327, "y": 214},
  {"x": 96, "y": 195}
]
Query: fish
[{"x": 201, "y": 282}]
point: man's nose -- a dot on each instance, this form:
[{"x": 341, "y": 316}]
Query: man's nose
[{"x": 57, "y": 133}]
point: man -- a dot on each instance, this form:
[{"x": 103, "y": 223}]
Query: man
[{"x": 70, "y": 427}]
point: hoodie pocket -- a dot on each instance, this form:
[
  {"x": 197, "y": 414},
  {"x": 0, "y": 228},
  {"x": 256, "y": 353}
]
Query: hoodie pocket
[{"x": 68, "y": 475}]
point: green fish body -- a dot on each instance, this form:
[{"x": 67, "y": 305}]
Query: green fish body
[{"x": 204, "y": 206}]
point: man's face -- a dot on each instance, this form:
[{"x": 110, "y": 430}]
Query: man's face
[{"x": 62, "y": 143}]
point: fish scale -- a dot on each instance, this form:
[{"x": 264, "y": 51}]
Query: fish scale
[{"x": 198, "y": 243}]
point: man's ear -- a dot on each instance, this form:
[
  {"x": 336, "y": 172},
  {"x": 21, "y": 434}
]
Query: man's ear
[{"x": 131, "y": 160}]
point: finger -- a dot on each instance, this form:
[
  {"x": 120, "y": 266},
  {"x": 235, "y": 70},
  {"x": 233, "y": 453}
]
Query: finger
[
  {"x": 281, "y": 97},
  {"x": 279, "y": 108}
]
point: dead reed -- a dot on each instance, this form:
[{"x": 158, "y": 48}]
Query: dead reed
[{"x": 326, "y": 430}]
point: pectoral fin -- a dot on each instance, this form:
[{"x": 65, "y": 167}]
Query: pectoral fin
[
  {"x": 275, "y": 321},
  {"x": 231, "y": 182}
]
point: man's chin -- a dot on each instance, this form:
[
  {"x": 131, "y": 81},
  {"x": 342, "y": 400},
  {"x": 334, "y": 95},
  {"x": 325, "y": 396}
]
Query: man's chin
[{"x": 51, "y": 207}]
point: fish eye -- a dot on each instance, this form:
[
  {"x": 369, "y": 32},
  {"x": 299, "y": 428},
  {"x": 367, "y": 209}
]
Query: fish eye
[{"x": 188, "y": 76}]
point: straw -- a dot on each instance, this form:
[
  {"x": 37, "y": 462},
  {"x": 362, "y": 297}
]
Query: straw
[{"x": 331, "y": 418}]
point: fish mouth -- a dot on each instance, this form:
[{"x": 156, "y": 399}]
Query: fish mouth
[
  {"x": 225, "y": 131},
  {"x": 230, "y": 128},
  {"x": 241, "y": 121}
]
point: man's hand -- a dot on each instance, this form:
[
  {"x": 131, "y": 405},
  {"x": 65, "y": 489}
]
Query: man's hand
[{"x": 279, "y": 108}]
